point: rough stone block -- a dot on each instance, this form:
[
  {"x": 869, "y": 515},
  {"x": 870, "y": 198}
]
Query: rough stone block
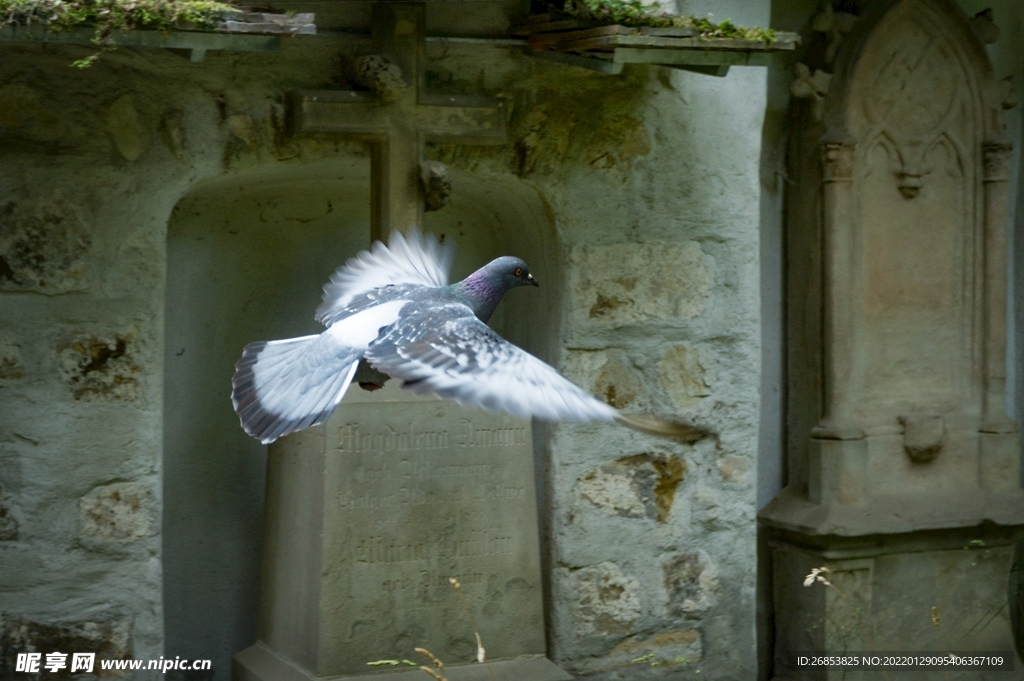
[
  {"x": 103, "y": 366},
  {"x": 8, "y": 519},
  {"x": 605, "y": 602},
  {"x": 907, "y": 592},
  {"x": 683, "y": 376},
  {"x": 662, "y": 653},
  {"x": 124, "y": 126},
  {"x": 11, "y": 367},
  {"x": 43, "y": 246},
  {"x": 116, "y": 514},
  {"x": 691, "y": 580},
  {"x": 606, "y": 374},
  {"x": 637, "y": 486},
  {"x": 632, "y": 283},
  {"x": 109, "y": 638}
]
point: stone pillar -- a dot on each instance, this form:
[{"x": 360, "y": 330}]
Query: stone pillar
[
  {"x": 905, "y": 494},
  {"x": 837, "y": 200},
  {"x": 995, "y": 160}
]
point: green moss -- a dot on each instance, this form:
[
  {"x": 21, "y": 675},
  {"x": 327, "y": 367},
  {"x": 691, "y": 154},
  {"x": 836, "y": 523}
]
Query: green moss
[
  {"x": 636, "y": 13},
  {"x": 108, "y": 16}
]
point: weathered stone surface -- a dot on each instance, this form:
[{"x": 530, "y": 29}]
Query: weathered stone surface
[
  {"x": 437, "y": 185},
  {"x": 379, "y": 74},
  {"x": 109, "y": 638},
  {"x": 102, "y": 367},
  {"x": 923, "y": 436},
  {"x": 637, "y": 486},
  {"x": 630, "y": 283},
  {"x": 8, "y": 519},
  {"x": 648, "y": 157},
  {"x": 607, "y": 374},
  {"x": 24, "y": 113},
  {"x": 734, "y": 468},
  {"x": 172, "y": 130},
  {"x": 691, "y": 580},
  {"x": 43, "y": 245},
  {"x": 241, "y": 127},
  {"x": 125, "y": 127},
  {"x": 665, "y": 650},
  {"x": 11, "y": 367},
  {"x": 683, "y": 376},
  {"x": 886, "y": 371},
  {"x": 401, "y": 493},
  {"x": 925, "y": 599},
  {"x": 116, "y": 514},
  {"x": 605, "y": 601}
]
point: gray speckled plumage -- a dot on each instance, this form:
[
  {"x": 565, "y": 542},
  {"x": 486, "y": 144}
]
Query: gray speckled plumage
[{"x": 392, "y": 307}]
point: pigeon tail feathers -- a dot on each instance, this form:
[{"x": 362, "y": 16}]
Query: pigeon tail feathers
[
  {"x": 280, "y": 387},
  {"x": 655, "y": 426},
  {"x": 415, "y": 258}
]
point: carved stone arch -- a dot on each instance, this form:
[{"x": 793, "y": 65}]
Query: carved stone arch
[
  {"x": 883, "y": 27},
  {"x": 897, "y": 275},
  {"x": 913, "y": 74},
  {"x": 896, "y": 337}
]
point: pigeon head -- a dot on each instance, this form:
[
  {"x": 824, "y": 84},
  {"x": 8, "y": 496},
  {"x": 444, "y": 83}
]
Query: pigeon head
[
  {"x": 510, "y": 272},
  {"x": 484, "y": 289}
]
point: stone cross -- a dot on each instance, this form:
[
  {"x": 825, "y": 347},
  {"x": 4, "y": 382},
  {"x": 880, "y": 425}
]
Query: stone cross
[{"x": 398, "y": 117}]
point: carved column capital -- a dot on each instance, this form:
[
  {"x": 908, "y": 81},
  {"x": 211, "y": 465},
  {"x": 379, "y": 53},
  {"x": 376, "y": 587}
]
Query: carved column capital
[
  {"x": 996, "y": 158},
  {"x": 837, "y": 160}
]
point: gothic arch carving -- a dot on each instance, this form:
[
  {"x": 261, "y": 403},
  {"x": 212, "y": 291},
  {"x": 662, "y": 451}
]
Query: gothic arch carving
[{"x": 897, "y": 268}]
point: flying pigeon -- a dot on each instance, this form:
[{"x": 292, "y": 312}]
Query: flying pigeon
[{"x": 392, "y": 307}]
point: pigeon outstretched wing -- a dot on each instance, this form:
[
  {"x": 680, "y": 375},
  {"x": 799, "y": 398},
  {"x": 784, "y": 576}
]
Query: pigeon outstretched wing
[
  {"x": 444, "y": 349},
  {"x": 418, "y": 259}
]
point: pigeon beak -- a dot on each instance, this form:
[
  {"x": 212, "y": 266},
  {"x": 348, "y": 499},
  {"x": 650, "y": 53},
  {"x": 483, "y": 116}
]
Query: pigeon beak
[{"x": 533, "y": 282}]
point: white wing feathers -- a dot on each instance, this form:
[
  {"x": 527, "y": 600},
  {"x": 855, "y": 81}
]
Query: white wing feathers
[
  {"x": 414, "y": 259},
  {"x": 428, "y": 339},
  {"x": 449, "y": 352}
]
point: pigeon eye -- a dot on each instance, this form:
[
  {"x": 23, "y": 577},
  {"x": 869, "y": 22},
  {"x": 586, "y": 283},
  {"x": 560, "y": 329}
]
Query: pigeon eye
[{"x": 519, "y": 271}]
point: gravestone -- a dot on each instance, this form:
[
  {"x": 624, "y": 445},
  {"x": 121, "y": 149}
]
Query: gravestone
[
  {"x": 904, "y": 468},
  {"x": 369, "y": 516}
]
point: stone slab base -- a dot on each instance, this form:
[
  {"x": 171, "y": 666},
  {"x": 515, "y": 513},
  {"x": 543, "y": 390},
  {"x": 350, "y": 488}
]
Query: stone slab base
[
  {"x": 259, "y": 663},
  {"x": 944, "y": 590}
]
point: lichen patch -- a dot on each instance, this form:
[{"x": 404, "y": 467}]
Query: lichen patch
[
  {"x": 102, "y": 367},
  {"x": 637, "y": 486}
]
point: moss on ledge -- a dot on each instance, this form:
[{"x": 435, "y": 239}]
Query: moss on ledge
[
  {"x": 636, "y": 13},
  {"x": 108, "y": 16}
]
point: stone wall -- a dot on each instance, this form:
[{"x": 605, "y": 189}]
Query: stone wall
[{"x": 651, "y": 186}]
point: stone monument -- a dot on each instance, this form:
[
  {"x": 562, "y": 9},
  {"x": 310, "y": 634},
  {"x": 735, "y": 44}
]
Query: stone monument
[
  {"x": 904, "y": 475},
  {"x": 369, "y": 516}
]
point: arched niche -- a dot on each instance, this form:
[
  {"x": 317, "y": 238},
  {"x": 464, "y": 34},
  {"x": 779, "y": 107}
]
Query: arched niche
[
  {"x": 247, "y": 256},
  {"x": 900, "y": 452},
  {"x": 897, "y": 281}
]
